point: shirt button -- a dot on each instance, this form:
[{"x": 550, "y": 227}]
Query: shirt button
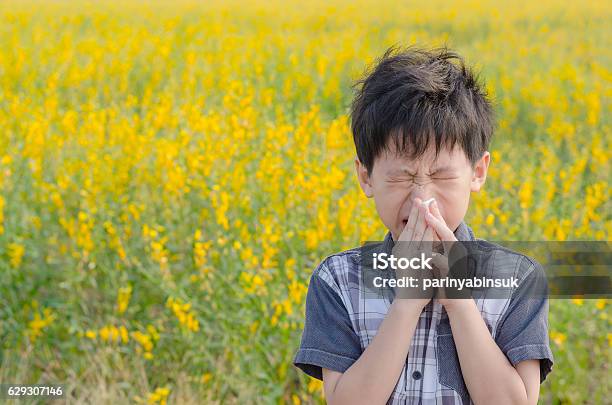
[{"x": 417, "y": 375}]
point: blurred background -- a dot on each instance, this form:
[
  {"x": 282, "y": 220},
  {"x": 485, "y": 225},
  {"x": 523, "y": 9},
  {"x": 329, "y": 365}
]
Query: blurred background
[{"x": 172, "y": 173}]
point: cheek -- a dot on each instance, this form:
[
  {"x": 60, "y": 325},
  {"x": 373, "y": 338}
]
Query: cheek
[
  {"x": 389, "y": 202},
  {"x": 453, "y": 202}
]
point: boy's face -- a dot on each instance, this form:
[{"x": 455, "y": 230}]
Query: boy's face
[{"x": 396, "y": 181}]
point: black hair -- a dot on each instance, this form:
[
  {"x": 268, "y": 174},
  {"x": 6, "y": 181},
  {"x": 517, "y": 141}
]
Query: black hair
[{"x": 415, "y": 96}]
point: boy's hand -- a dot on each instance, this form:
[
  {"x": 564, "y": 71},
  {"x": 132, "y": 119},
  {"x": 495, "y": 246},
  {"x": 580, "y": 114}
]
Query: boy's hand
[
  {"x": 434, "y": 219},
  {"x": 416, "y": 237}
]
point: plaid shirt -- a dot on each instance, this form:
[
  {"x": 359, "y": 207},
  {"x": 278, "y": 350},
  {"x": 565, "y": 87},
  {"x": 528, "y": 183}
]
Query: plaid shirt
[{"x": 340, "y": 324}]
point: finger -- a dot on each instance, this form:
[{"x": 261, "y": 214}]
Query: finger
[
  {"x": 436, "y": 244},
  {"x": 419, "y": 229},
  {"x": 435, "y": 210},
  {"x": 408, "y": 231},
  {"x": 439, "y": 226},
  {"x": 427, "y": 241}
]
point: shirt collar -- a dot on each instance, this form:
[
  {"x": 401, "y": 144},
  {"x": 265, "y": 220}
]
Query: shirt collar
[{"x": 463, "y": 233}]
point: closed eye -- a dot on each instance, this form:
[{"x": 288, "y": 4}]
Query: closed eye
[
  {"x": 399, "y": 180},
  {"x": 444, "y": 178},
  {"x": 406, "y": 179}
]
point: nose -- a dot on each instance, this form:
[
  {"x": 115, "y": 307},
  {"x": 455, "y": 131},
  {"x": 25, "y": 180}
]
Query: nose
[{"x": 421, "y": 191}]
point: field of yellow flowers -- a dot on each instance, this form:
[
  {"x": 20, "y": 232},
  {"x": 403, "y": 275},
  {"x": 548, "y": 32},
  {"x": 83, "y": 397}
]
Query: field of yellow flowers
[{"x": 172, "y": 172}]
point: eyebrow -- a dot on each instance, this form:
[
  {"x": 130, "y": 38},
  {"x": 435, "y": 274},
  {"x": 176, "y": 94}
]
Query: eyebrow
[
  {"x": 443, "y": 169},
  {"x": 403, "y": 170}
]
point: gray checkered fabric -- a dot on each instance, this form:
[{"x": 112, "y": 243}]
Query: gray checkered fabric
[{"x": 340, "y": 324}]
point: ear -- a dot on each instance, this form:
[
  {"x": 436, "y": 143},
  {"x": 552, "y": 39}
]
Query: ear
[
  {"x": 364, "y": 178},
  {"x": 479, "y": 174}
]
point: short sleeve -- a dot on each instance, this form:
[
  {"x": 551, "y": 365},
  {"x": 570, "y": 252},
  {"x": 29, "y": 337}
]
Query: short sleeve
[
  {"x": 523, "y": 331},
  {"x": 328, "y": 339}
]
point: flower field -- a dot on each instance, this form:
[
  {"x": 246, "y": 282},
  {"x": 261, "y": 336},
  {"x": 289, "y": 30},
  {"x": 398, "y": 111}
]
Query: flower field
[{"x": 172, "y": 173}]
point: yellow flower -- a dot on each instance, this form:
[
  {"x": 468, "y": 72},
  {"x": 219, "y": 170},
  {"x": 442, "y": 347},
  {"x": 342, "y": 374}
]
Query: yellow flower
[
  {"x": 39, "y": 322},
  {"x": 558, "y": 337},
  {"x": 123, "y": 298},
  {"x": 15, "y": 252},
  {"x": 525, "y": 193},
  {"x": 160, "y": 396},
  {"x": 578, "y": 301},
  {"x": 104, "y": 333},
  {"x": 297, "y": 291},
  {"x": 314, "y": 385},
  {"x": 183, "y": 313},
  {"x": 124, "y": 334}
]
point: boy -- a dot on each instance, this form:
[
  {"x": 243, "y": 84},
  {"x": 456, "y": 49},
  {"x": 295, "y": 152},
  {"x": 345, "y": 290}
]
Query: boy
[{"x": 422, "y": 125}]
